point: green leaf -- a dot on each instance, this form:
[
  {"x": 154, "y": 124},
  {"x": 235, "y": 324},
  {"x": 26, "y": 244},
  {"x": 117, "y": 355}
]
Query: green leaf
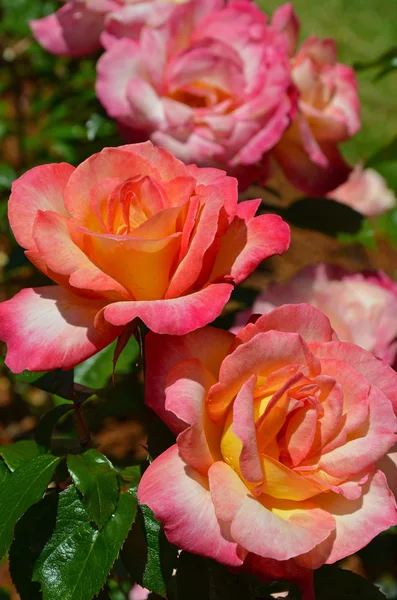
[
  {"x": 160, "y": 555},
  {"x": 132, "y": 476},
  {"x": 97, "y": 370},
  {"x": 7, "y": 176},
  {"x": 96, "y": 479},
  {"x": 32, "y": 532},
  {"x": 28, "y": 376},
  {"x": 22, "y": 489},
  {"x": 57, "y": 382},
  {"x": 16, "y": 454},
  {"x": 331, "y": 583},
  {"x": 365, "y": 236},
  {"x": 324, "y": 215},
  {"x": 76, "y": 561},
  {"x": 4, "y": 475},
  {"x": 47, "y": 423}
]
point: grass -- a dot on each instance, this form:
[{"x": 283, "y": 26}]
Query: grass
[{"x": 363, "y": 30}]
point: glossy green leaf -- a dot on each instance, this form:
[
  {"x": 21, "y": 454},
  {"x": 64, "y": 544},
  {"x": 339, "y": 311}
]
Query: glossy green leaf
[
  {"x": 96, "y": 371},
  {"x": 55, "y": 382},
  {"x": 22, "y": 489},
  {"x": 16, "y": 454},
  {"x": 4, "y": 474},
  {"x": 32, "y": 532},
  {"x": 28, "y": 376},
  {"x": 331, "y": 582},
  {"x": 76, "y": 561},
  {"x": 161, "y": 555},
  {"x": 47, "y": 423},
  {"x": 96, "y": 479}
]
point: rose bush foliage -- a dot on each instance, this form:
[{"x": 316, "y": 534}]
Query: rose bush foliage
[
  {"x": 280, "y": 431},
  {"x": 131, "y": 232}
]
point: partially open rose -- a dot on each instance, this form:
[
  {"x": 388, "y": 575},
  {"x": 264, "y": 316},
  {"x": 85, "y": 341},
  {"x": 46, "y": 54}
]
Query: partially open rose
[
  {"x": 131, "y": 232},
  {"x": 328, "y": 111},
  {"x": 280, "y": 431},
  {"x": 80, "y": 26},
  {"x": 74, "y": 29}
]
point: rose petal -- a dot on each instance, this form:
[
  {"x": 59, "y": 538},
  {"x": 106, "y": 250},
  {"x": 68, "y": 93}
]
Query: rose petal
[
  {"x": 179, "y": 497},
  {"x": 49, "y": 328}
]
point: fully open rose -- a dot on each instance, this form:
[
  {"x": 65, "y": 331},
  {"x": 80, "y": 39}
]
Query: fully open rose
[
  {"x": 131, "y": 232},
  {"x": 280, "y": 433},
  {"x": 212, "y": 85}
]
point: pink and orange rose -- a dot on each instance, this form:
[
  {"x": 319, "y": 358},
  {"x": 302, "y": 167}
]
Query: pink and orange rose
[
  {"x": 280, "y": 431},
  {"x": 130, "y": 233}
]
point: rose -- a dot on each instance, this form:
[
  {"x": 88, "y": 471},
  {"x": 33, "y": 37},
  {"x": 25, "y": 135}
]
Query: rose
[
  {"x": 279, "y": 432},
  {"x": 211, "y": 84},
  {"x": 74, "y": 29},
  {"x": 328, "y": 111},
  {"x": 79, "y": 27},
  {"x": 129, "y": 19},
  {"x": 366, "y": 191},
  {"x": 131, "y": 232},
  {"x": 138, "y": 593},
  {"x": 362, "y": 307}
]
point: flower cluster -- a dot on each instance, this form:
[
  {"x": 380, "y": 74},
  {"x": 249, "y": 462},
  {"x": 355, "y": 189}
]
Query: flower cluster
[
  {"x": 219, "y": 84},
  {"x": 285, "y": 455}
]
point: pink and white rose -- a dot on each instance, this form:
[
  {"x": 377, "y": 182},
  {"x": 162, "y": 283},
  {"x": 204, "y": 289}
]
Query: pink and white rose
[
  {"x": 212, "y": 85},
  {"x": 362, "y": 307}
]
